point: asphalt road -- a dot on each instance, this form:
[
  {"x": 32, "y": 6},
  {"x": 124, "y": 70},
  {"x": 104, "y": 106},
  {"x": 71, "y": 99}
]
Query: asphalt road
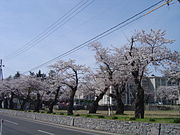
[{"x": 21, "y": 126}]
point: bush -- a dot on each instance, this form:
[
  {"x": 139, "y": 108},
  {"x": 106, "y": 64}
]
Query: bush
[
  {"x": 54, "y": 113},
  {"x": 176, "y": 120},
  {"x": 61, "y": 113},
  {"x": 88, "y": 115},
  {"x": 114, "y": 117},
  {"x": 101, "y": 116},
  {"x": 42, "y": 112},
  {"x": 151, "y": 119},
  {"x": 77, "y": 115},
  {"x": 132, "y": 118}
]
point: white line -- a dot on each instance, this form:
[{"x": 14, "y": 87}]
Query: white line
[
  {"x": 45, "y": 132},
  {"x": 11, "y": 122}
]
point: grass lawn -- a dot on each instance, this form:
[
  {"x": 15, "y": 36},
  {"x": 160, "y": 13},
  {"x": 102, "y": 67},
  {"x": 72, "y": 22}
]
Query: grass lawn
[{"x": 169, "y": 116}]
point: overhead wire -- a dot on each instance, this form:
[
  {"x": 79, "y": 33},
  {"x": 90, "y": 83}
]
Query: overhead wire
[
  {"x": 105, "y": 33},
  {"x": 52, "y": 28},
  {"x": 47, "y": 29}
]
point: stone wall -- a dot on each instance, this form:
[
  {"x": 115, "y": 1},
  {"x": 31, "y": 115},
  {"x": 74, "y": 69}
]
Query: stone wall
[{"x": 113, "y": 126}]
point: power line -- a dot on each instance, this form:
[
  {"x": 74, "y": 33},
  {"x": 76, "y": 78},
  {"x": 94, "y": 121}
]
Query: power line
[
  {"x": 103, "y": 34},
  {"x": 49, "y": 28},
  {"x": 55, "y": 26},
  {"x": 52, "y": 28}
]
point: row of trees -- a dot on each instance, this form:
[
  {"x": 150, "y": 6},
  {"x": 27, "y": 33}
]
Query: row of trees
[{"x": 114, "y": 68}]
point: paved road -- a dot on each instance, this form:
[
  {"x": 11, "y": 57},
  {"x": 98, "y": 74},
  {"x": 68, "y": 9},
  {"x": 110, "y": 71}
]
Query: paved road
[{"x": 21, "y": 126}]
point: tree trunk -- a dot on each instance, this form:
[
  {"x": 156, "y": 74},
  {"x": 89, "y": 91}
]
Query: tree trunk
[
  {"x": 93, "y": 107},
  {"x": 37, "y": 103},
  {"x": 11, "y": 104},
  {"x": 1, "y": 103},
  {"x": 54, "y": 102},
  {"x": 119, "y": 106},
  {"x": 51, "y": 105},
  {"x": 23, "y": 104},
  {"x": 139, "y": 102},
  {"x": 119, "y": 102},
  {"x": 5, "y": 103},
  {"x": 25, "y": 101},
  {"x": 71, "y": 102}
]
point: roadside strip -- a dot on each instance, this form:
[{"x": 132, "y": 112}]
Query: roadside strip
[{"x": 72, "y": 128}]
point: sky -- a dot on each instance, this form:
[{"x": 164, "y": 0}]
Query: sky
[{"x": 21, "y": 21}]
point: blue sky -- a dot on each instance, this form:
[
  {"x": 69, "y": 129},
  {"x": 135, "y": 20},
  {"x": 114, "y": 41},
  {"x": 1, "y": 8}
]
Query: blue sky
[{"x": 21, "y": 20}]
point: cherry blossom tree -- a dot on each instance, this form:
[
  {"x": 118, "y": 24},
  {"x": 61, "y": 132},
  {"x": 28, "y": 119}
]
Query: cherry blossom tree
[
  {"x": 71, "y": 75},
  {"x": 146, "y": 50},
  {"x": 30, "y": 90},
  {"x": 55, "y": 89},
  {"x": 4, "y": 92},
  {"x": 27, "y": 89},
  {"x": 168, "y": 93},
  {"x": 97, "y": 85},
  {"x": 43, "y": 87},
  {"x": 120, "y": 78},
  {"x": 9, "y": 90},
  {"x": 111, "y": 63}
]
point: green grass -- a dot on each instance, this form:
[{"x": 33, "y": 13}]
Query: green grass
[
  {"x": 169, "y": 116},
  {"x": 114, "y": 117},
  {"x": 177, "y": 120},
  {"x": 101, "y": 116},
  {"x": 158, "y": 120},
  {"x": 152, "y": 119}
]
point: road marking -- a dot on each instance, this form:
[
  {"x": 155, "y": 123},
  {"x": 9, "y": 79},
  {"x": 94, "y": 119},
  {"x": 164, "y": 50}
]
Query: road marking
[
  {"x": 42, "y": 131},
  {"x": 11, "y": 122}
]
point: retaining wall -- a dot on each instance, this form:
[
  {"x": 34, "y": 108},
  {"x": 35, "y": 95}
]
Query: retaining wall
[{"x": 113, "y": 126}]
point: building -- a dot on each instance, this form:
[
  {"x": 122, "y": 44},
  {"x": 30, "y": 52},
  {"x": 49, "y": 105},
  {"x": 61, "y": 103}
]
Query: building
[
  {"x": 150, "y": 85},
  {"x": 155, "y": 82}
]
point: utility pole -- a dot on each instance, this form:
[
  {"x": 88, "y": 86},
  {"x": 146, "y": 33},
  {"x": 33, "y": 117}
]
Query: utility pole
[{"x": 1, "y": 69}]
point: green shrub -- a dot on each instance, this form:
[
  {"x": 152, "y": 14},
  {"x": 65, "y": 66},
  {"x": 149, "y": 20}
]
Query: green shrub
[
  {"x": 176, "y": 120},
  {"x": 61, "y": 113},
  {"x": 151, "y": 119},
  {"x": 114, "y": 117},
  {"x": 77, "y": 115},
  {"x": 101, "y": 116},
  {"x": 54, "y": 113},
  {"x": 88, "y": 115},
  {"x": 132, "y": 118}
]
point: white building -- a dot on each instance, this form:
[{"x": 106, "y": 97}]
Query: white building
[
  {"x": 150, "y": 84},
  {"x": 155, "y": 82}
]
